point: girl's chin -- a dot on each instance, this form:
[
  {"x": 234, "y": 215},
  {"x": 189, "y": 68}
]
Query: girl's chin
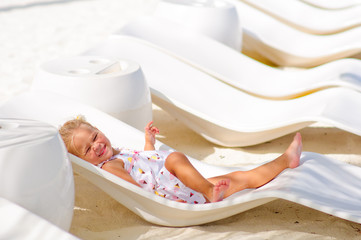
[{"x": 107, "y": 154}]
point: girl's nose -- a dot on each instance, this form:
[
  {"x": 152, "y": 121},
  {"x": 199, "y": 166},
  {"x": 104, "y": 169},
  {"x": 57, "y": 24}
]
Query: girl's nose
[{"x": 96, "y": 147}]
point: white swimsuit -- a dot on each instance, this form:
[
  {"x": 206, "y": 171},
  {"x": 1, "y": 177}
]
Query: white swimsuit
[{"x": 148, "y": 170}]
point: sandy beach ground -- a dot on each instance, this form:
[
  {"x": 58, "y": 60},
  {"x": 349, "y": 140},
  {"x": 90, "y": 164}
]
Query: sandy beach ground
[{"x": 35, "y": 31}]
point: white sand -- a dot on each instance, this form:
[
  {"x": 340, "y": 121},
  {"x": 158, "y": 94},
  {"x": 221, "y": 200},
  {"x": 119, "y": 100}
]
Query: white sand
[{"x": 35, "y": 31}]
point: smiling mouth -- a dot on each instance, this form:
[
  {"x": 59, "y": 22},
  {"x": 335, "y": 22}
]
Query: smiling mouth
[{"x": 102, "y": 151}]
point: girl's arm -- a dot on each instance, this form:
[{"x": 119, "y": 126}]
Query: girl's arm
[
  {"x": 116, "y": 167},
  {"x": 150, "y": 132}
]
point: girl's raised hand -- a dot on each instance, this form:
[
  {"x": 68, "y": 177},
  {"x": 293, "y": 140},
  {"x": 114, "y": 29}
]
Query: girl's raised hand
[{"x": 150, "y": 133}]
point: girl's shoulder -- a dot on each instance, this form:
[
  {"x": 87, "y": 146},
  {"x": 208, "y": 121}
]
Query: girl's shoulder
[{"x": 113, "y": 162}]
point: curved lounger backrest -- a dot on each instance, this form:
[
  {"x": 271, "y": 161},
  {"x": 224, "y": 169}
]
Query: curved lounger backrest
[
  {"x": 310, "y": 19},
  {"x": 295, "y": 48},
  {"x": 320, "y": 183}
]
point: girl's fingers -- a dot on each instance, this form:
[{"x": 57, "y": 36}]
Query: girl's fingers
[
  {"x": 149, "y": 125},
  {"x": 151, "y": 128}
]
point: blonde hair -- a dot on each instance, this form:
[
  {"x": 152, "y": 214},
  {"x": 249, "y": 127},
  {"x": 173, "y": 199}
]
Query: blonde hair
[{"x": 67, "y": 131}]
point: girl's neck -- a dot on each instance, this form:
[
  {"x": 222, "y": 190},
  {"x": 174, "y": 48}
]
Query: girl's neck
[{"x": 115, "y": 151}]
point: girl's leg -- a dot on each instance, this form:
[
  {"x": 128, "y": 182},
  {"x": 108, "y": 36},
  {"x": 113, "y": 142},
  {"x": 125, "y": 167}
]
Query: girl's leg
[
  {"x": 263, "y": 174},
  {"x": 179, "y": 165}
]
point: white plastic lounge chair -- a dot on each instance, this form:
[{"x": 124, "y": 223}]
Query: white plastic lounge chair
[
  {"x": 223, "y": 114},
  {"x": 18, "y": 223},
  {"x": 332, "y": 4},
  {"x": 320, "y": 183},
  {"x": 307, "y": 18},
  {"x": 287, "y": 46},
  {"x": 229, "y": 65}
]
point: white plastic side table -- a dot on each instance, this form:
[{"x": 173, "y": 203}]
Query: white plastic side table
[
  {"x": 214, "y": 18},
  {"x": 35, "y": 171},
  {"x": 117, "y": 87}
]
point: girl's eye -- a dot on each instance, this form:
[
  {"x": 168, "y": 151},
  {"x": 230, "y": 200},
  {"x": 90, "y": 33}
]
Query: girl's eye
[
  {"x": 87, "y": 150},
  {"x": 95, "y": 137}
]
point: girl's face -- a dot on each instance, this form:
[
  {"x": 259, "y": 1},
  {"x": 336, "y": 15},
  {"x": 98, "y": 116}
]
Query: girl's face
[{"x": 91, "y": 145}]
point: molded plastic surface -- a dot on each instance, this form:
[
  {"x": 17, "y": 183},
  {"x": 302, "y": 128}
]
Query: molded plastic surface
[
  {"x": 287, "y": 46},
  {"x": 115, "y": 86},
  {"x": 17, "y": 223},
  {"x": 223, "y": 114},
  {"x": 35, "y": 171},
  {"x": 222, "y": 62},
  {"x": 332, "y": 4},
  {"x": 310, "y": 19},
  {"x": 214, "y": 18},
  {"x": 320, "y": 183}
]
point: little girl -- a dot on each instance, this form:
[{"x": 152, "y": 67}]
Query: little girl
[{"x": 168, "y": 174}]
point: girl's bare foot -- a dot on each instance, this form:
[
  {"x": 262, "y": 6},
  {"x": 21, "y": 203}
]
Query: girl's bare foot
[
  {"x": 219, "y": 188},
  {"x": 293, "y": 152}
]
